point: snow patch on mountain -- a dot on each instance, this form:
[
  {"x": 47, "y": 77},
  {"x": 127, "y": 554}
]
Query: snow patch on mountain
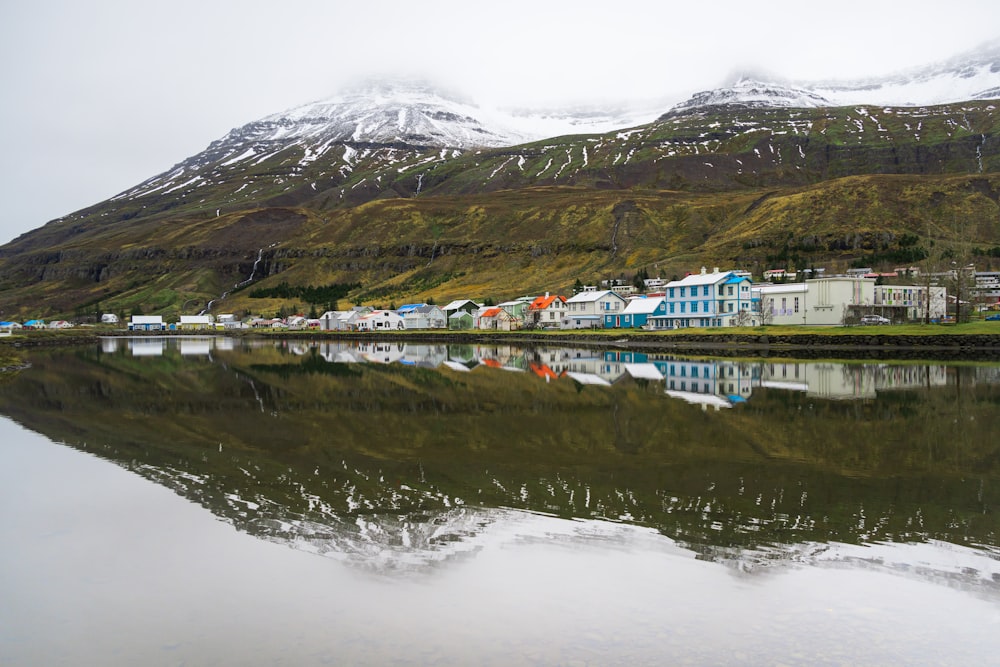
[
  {"x": 972, "y": 76},
  {"x": 751, "y": 93}
]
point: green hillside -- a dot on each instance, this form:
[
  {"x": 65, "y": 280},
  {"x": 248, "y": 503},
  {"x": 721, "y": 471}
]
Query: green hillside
[{"x": 752, "y": 189}]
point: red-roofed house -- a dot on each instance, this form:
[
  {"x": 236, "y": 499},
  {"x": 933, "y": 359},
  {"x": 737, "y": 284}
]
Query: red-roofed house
[
  {"x": 546, "y": 311},
  {"x": 496, "y": 319}
]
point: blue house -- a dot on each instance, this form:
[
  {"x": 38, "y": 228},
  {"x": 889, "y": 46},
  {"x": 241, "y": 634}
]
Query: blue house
[{"x": 637, "y": 313}]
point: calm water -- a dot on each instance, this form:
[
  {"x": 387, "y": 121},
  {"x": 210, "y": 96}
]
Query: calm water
[{"x": 216, "y": 501}]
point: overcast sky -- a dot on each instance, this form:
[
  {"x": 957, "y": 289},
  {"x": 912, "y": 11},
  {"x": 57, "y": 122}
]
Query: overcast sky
[{"x": 99, "y": 95}]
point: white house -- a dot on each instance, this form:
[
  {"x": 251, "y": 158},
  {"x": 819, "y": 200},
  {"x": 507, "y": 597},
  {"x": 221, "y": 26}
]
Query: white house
[
  {"x": 146, "y": 323},
  {"x": 195, "y": 322},
  {"x": 424, "y": 316},
  {"x": 494, "y": 318},
  {"x": 109, "y": 318},
  {"x": 587, "y": 310},
  {"x": 342, "y": 320},
  {"x": 380, "y": 320},
  {"x": 546, "y": 311}
]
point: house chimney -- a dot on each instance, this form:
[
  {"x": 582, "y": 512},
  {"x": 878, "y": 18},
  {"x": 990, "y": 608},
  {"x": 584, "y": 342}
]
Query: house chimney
[
  {"x": 715, "y": 269},
  {"x": 546, "y": 295},
  {"x": 704, "y": 270}
]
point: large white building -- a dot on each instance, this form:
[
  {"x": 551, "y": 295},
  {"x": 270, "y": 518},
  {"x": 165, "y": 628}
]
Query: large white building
[{"x": 816, "y": 302}]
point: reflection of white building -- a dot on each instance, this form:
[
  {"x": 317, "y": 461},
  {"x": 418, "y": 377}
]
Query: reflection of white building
[
  {"x": 823, "y": 380},
  {"x": 195, "y": 346},
  {"x": 381, "y": 352},
  {"x": 147, "y": 347}
]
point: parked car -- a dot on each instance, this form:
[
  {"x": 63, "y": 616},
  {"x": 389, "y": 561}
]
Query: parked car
[
  {"x": 874, "y": 319},
  {"x": 994, "y": 316}
]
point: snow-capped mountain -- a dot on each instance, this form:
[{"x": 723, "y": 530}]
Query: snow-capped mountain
[
  {"x": 971, "y": 76},
  {"x": 418, "y": 114},
  {"x": 385, "y": 112}
]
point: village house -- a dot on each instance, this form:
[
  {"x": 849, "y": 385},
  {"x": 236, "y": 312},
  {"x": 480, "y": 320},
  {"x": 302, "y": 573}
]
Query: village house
[
  {"x": 587, "y": 310},
  {"x": 422, "y": 316},
  {"x": 194, "y": 322},
  {"x": 546, "y": 311},
  {"x": 109, "y": 318},
  {"x": 461, "y": 320},
  {"x": 342, "y": 320},
  {"x": 518, "y": 310},
  {"x": 637, "y": 313},
  {"x": 460, "y": 304},
  {"x": 380, "y": 320},
  {"x": 495, "y": 319},
  {"x": 146, "y": 323},
  {"x": 716, "y": 299}
]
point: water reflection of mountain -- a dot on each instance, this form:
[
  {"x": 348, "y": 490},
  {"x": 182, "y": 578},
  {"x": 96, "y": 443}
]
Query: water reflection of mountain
[{"x": 407, "y": 461}]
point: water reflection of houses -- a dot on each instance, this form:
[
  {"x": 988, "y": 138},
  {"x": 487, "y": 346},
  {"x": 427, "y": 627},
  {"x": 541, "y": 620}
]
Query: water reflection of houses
[{"x": 709, "y": 383}]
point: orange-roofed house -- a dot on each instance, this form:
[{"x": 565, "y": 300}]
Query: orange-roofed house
[
  {"x": 495, "y": 319},
  {"x": 546, "y": 311}
]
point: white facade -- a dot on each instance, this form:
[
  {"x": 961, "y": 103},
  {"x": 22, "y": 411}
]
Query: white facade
[
  {"x": 380, "y": 320},
  {"x": 586, "y": 310},
  {"x": 817, "y": 302},
  {"x": 914, "y": 300},
  {"x": 195, "y": 322},
  {"x": 146, "y": 323},
  {"x": 109, "y": 318},
  {"x": 425, "y": 317}
]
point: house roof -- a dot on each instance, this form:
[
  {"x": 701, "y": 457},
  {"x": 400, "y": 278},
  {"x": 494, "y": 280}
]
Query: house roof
[
  {"x": 543, "y": 302},
  {"x": 458, "y": 314},
  {"x": 458, "y": 303},
  {"x": 696, "y": 279},
  {"x": 408, "y": 307},
  {"x": 646, "y": 306},
  {"x": 587, "y": 297},
  {"x": 791, "y": 288}
]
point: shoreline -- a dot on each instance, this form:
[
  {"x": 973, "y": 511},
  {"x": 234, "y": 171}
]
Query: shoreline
[{"x": 869, "y": 345}]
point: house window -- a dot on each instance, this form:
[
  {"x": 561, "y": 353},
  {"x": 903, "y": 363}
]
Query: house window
[
  {"x": 705, "y": 306},
  {"x": 729, "y": 307},
  {"x": 682, "y": 292},
  {"x": 730, "y": 290},
  {"x": 796, "y": 304},
  {"x": 704, "y": 291},
  {"x": 682, "y": 306},
  {"x": 671, "y": 291},
  {"x": 694, "y": 306}
]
